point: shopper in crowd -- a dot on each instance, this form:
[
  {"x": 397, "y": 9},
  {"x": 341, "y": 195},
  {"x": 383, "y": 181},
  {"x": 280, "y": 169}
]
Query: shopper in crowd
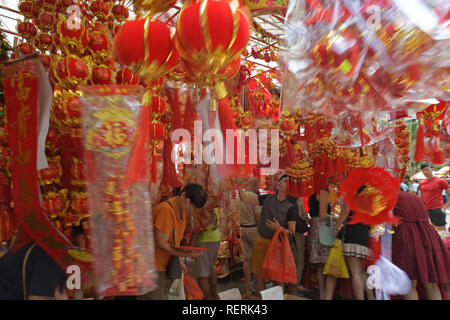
[
  {"x": 298, "y": 247},
  {"x": 27, "y": 272},
  {"x": 431, "y": 193},
  {"x": 276, "y": 211},
  {"x": 414, "y": 187},
  {"x": 355, "y": 248},
  {"x": 205, "y": 264},
  {"x": 320, "y": 212},
  {"x": 249, "y": 215},
  {"x": 169, "y": 220},
  {"x": 418, "y": 249}
]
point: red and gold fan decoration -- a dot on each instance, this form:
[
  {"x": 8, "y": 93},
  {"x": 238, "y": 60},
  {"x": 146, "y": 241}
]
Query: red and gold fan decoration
[{"x": 371, "y": 193}]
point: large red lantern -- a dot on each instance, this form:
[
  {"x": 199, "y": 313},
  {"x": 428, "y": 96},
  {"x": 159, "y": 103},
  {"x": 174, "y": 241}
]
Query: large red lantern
[
  {"x": 26, "y": 48},
  {"x": 46, "y": 21},
  {"x": 145, "y": 46},
  {"x": 27, "y": 30},
  {"x": 27, "y": 9},
  {"x": 212, "y": 33},
  {"x": 100, "y": 45}
]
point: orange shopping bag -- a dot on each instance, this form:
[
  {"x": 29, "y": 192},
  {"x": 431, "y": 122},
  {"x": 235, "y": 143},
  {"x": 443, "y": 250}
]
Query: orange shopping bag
[
  {"x": 279, "y": 264},
  {"x": 191, "y": 289}
]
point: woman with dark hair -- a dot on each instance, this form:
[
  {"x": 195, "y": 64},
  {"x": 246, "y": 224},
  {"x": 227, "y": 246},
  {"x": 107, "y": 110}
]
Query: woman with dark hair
[
  {"x": 418, "y": 249},
  {"x": 277, "y": 211}
]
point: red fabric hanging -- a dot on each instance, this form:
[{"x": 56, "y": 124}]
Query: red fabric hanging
[
  {"x": 189, "y": 116},
  {"x": 420, "y": 149},
  {"x": 170, "y": 177},
  {"x": 137, "y": 168}
]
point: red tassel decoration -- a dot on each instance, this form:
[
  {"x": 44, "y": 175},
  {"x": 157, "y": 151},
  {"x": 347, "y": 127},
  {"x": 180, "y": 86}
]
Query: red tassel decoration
[
  {"x": 420, "y": 149},
  {"x": 154, "y": 168},
  {"x": 436, "y": 155},
  {"x": 174, "y": 102},
  {"x": 137, "y": 168}
]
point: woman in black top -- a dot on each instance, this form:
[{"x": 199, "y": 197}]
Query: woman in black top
[{"x": 355, "y": 238}]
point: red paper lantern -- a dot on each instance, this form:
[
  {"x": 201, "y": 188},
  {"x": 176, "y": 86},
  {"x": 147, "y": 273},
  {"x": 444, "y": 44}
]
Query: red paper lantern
[
  {"x": 146, "y": 46},
  {"x": 100, "y": 9},
  {"x": 27, "y": 30},
  {"x": 46, "y": 21},
  {"x": 101, "y": 75},
  {"x": 44, "y": 41},
  {"x": 27, "y": 9},
  {"x": 100, "y": 46},
  {"x": 72, "y": 39},
  {"x": 120, "y": 12},
  {"x": 212, "y": 33},
  {"x": 157, "y": 131},
  {"x": 71, "y": 72},
  {"x": 26, "y": 48},
  {"x": 157, "y": 106},
  {"x": 126, "y": 76}
]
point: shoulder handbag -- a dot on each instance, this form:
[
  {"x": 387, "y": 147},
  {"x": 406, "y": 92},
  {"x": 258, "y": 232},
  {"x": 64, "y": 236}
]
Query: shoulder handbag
[
  {"x": 174, "y": 266},
  {"x": 326, "y": 234},
  {"x": 24, "y": 271},
  {"x": 301, "y": 226}
]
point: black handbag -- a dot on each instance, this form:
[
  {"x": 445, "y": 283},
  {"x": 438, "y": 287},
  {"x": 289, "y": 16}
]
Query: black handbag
[{"x": 174, "y": 267}]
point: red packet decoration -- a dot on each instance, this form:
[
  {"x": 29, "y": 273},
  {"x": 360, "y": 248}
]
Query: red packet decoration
[{"x": 120, "y": 213}]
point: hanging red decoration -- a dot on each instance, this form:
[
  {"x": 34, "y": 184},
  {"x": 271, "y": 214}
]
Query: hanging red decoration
[
  {"x": 126, "y": 76},
  {"x": 100, "y": 9},
  {"x": 27, "y": 9},
  {"x": 101, "y": 75},
  {"x": 146, "y": 46},
  {"x": 371, "y": 193},
  {"x": 120, "y": 12},
  {"x": 26, "y": 48},
  {"x": 198, "y": 21},
  {"x": 27, "y": 30}
]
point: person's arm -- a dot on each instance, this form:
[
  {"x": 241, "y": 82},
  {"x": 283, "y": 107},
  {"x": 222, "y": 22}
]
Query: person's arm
[
  {"x": 447, "y": 191},
  {"x": 162, "y": 242},
  {"x": 301, "y": 209},
  {"x": 323, "y": 205},
  {"x": 257, "y": 213},
  {"x": 344, "y": 215}
]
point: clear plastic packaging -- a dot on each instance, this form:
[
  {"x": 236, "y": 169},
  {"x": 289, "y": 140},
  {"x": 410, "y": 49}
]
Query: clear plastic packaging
[
  {"x": 354, "y": 55},
  {"x": 120, "y": 214}
]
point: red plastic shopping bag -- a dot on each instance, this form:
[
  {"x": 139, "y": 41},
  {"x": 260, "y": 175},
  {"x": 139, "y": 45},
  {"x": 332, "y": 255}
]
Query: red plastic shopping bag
[
  {"x": 279, "y": 264},
  {"x": 191, "y": 289}
]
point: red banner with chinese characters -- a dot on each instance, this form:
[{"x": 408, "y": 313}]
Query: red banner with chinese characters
[{"x": 21, "y": 87}]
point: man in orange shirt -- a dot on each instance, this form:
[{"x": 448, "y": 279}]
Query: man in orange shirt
[{"x": 169, "y": 220}]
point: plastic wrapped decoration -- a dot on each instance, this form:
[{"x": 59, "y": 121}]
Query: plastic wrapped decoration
[
  {"x": 121, "y": 221},
  {"x": 361, "y": 129},
  {"x": 339, "y": 56}
]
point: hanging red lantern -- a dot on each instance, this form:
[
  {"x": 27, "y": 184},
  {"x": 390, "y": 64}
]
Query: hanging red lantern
[
  {"x": 126, "y": 76},
  {"x": 100, "y": 46},
  {"x": 71, "y": 72},
  {"x": 157, "y": 106},
  {"x": 27, "y": 9},
  {"x": 27, "y": 30},
  {"x": 44, "y": 41},
  {"x": 145, "y": 46},
  {"x": 55, "y": 203},
  {"x": 120, "y": 12},
  {"x": 46, "y": 21},
  {"x": 157, "y": 132},
  {"x": 26, "y": 48},
  {"x": 100, "y": 9},
  {"x": 212, "y": 33},
  {"x": 101, "y": 75},
  {"x": 72, "y": 39}
]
